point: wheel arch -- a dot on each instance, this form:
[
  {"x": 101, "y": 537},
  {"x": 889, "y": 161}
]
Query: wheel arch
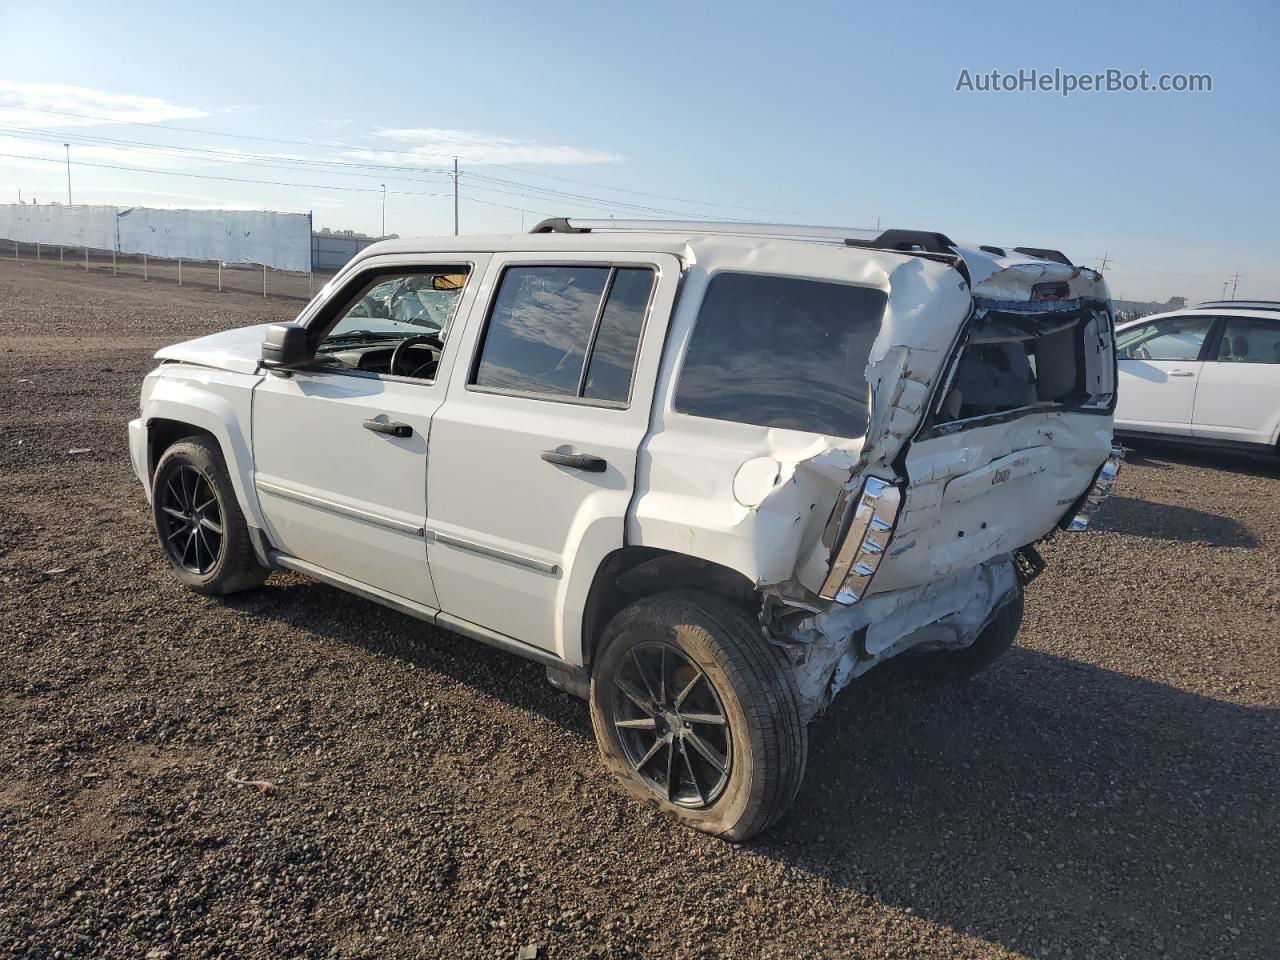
[
  {"x": 631, "y": 573},
  {"x": 217, "y": 406}
]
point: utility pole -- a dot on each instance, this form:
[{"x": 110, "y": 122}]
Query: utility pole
[
  {"x": 1106, "y": 258},
  {"x": 1235, "y": 282},
  {"x": 384, "y": 210},
  {"x": 455, "y": 196},
  {"x": 67, "y": 147}
]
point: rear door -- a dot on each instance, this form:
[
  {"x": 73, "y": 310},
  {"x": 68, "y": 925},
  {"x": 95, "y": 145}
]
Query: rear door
[
  {"x": 1159, "y": 365},
  {"x": 533, "y": 456},
  {"x": 1238, "y": 397}
]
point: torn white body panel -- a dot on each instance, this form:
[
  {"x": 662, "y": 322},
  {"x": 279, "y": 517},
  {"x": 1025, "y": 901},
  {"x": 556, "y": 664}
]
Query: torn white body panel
[
  {"x": 983, "y": 457},
  {"x": 947, "y": 613}
]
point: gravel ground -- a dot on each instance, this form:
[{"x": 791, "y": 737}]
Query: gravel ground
[{"x": 1108, "y": 789}]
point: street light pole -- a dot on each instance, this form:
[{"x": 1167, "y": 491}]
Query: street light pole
[
  {"x": 67, "y": 147},
  {"x": 384, "y": 209}
]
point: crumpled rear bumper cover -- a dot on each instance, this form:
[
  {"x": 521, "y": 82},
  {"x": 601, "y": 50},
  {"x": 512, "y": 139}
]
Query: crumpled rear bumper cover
[{"x": 1100, "y": 489}]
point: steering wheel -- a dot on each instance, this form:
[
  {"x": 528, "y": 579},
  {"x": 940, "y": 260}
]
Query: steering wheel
[{"x": 408, "y": 343}]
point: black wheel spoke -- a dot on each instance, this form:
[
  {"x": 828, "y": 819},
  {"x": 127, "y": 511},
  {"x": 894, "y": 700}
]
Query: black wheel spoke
[
  {"x": 644, "y": 677},
  {"x": 712, "y": 718},
  {"x": 709, "y": 753},
  {"x": 688, "y": 689},
  {"x": 190, "y": 519},
  {"x": 693, "y": 775},
  {"x": 671, "y": 771},
  {"x": 662, "y": 675},
  {"x": 639, "y": 723},
  {"x": 662, "y": 695},
  {"x": 635, "y": 696},
  {"x": 650, "y": 753}
]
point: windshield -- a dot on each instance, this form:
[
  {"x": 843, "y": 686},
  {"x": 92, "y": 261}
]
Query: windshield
[{"x": 402, "y": 305}]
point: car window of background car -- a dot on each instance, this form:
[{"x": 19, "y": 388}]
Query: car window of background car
[
  {"x": 1249, "y": 340},
  {"x": 541, "y": 331},
  {"x": 782, "y": 352},
  {"x": 1178, "y": 338}
]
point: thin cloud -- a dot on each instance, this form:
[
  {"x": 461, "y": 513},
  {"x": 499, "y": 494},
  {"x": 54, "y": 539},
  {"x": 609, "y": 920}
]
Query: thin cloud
[
  {"x": 437, "y": 145},
  {"x": 18, "y": 100}
]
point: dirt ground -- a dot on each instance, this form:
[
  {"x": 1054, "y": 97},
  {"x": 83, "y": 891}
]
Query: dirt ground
[{"x": 1110, "y": 788}]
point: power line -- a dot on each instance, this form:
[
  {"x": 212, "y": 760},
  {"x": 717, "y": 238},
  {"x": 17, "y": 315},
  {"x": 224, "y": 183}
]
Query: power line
[
  {"x": 331, "y": 146},
  {"x": 270, "y": 183},
  {"x": 287, "y": 163}
]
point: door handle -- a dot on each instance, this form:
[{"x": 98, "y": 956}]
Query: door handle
[
  {"x": 1182, "y": 373},
  {"x": 390, "y": 427},
  {"x": 578, "y": 461}
]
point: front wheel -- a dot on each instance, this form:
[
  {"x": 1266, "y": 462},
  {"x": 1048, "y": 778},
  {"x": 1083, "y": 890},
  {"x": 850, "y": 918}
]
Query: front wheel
[
  {"x": 698, "y": 715},
  {"x": 198, "y": 520}
]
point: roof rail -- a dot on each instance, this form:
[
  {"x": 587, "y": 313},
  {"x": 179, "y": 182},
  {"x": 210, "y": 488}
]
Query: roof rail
[
  {"x": 908, "y": 241},
  {"x": 905, "y": 241},
  {"x": 1240, "y": 304},
  {"x": 1057, "y": 256},
  {"x": 729, "y": 227}
]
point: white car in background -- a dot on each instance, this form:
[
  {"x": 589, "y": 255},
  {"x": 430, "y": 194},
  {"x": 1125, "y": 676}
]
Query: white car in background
[{"x": 1207, "y": 375}]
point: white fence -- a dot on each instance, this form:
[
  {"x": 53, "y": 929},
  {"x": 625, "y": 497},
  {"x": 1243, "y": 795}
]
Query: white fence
[{"x": 279, "y": 240}]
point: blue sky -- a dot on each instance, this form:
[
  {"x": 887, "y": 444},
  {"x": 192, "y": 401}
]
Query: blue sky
[{"x": 841, "y": 113}]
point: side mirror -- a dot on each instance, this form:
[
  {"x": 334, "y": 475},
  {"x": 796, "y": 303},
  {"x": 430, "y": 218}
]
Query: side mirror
[{"x": 285, "y": 346}]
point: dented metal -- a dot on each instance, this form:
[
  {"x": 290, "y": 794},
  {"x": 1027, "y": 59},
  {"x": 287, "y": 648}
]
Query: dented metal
[{"x": 916, "y": 550}]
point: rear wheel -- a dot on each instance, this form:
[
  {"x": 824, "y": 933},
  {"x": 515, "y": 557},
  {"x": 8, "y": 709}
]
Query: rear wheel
[
  {"x": 697, "y": 714},
  {"x": 198, "y": 520}
]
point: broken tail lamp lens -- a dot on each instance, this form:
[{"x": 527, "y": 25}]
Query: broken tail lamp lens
[
  {"x": 1101, "y": 488},
  {"x": 860, "y": 552}
]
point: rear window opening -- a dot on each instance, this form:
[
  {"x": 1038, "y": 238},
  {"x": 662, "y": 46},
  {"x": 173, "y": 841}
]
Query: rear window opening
[{"x": 1013, "y": 361}]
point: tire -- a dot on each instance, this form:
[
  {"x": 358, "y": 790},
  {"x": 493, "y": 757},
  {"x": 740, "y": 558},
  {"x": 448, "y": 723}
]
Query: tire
[
  {"x": 215, "y": 556},
  {"x": 950, "y": 666},
  {"x": 711, "y": 658}
]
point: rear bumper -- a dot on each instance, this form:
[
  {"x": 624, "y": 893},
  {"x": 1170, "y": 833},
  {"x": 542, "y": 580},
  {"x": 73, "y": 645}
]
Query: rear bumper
[
  {"x": 1103, "y": 481},
  {"x": 138, "y": 453}
]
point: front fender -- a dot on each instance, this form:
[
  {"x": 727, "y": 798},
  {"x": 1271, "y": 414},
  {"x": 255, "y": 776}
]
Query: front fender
[{"x": 220, "y": 402}]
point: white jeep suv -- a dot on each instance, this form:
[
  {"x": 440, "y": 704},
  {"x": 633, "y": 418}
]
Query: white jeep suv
[{"x": 706, "y": 474}]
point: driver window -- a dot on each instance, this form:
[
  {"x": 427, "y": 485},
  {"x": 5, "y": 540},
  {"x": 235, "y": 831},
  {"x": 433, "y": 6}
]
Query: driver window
[
  {"x": 395, "y": 323},
  {"x": 1179, "y": 338}
]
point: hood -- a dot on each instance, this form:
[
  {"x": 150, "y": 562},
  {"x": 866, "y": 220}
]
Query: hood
[{"x": 236, "y": 350}]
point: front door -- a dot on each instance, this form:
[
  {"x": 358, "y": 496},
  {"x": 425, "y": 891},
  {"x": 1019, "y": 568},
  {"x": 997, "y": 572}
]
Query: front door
[
  {"x": 340, "y": 448},
  {"x": 1159, "y": 365},
  {"x": 534, "y": 452}
]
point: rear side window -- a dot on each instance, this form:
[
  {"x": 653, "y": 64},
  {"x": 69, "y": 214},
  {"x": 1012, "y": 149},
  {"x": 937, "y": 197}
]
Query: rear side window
[
  {"x": 1247, "y": 340},
  {"x": 565, "y": 331},
  {"x": 782, "y": 352}
]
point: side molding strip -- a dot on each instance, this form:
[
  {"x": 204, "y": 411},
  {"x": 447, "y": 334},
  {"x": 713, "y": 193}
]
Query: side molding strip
[
  {"x": 311, "y": 500},
  {"x": 486, "y": 551}
]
